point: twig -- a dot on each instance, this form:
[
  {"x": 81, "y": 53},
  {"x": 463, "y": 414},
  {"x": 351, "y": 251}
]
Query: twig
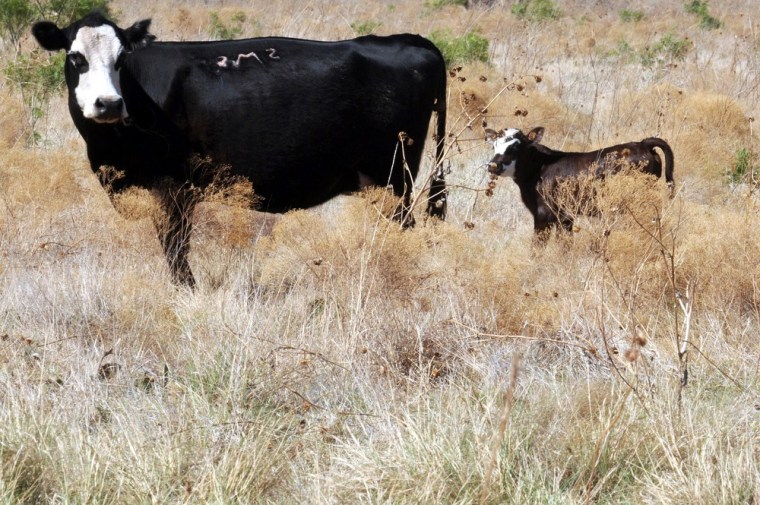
[
  {"x": 590, "y": 349},
  {"x": 498, "y": 437},
  {"x": 719, "y": 369}
]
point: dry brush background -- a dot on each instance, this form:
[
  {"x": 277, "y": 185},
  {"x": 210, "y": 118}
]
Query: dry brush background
[{"x": 329, "y": 357}]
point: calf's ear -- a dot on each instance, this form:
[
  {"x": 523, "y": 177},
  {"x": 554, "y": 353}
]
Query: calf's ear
[
  {"x": 138, "y": 35},
  {"x": 536, "y": 134},
  {"x": 49, "y": 36},
  {"x": 491, "y": 135}
]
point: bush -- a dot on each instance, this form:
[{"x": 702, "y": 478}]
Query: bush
[
  {"x": 17, "y": 15},
  {"x": 536, "y": 10},
  {"x": 469, "y": 47},
  {"x": 745, "y": 168},
  {"x": 627, "y": 16},
  {"x": 365, "y": 27},
  {"x": 437, "y": 4},
  {"x": 218, "y": 29},
  {"x": 699, "y": 9},
  {"x": 668, "y": 49},
  {"x": 37, "y": 75}
]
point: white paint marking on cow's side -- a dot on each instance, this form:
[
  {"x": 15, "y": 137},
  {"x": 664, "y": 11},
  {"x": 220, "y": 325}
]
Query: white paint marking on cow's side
[
  {"x": 224, "y": 62},
  {"x": 101, "y": 48}
]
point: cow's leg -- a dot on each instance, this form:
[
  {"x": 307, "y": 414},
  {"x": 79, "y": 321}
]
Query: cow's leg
[
  {"x": 174, "y": 228},
  {"x": 437, "y": 195}
]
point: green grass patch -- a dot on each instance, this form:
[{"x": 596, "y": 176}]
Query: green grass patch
[
  {"x": 536, "y": 10},
  {"x": 469, "y": 47}
]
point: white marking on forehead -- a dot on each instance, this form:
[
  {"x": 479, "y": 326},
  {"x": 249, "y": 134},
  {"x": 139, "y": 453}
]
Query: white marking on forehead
[
  {"x": 505, "y": 140},
  {"x": 97, "y": 44}
]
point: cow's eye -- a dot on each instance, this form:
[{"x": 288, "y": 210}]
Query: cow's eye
[
  {"x": 120, "y": 60},
  {"x": 79, "y": 62}
]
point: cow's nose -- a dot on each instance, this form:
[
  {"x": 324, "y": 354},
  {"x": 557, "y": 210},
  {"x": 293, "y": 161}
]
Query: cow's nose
[
  {"x": 109, "y": 107},
  {"x": 493, "y": 167}
]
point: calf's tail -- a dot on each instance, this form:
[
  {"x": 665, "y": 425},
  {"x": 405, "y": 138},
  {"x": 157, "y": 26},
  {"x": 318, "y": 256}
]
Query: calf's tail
[{"x": 653, "y": 142}]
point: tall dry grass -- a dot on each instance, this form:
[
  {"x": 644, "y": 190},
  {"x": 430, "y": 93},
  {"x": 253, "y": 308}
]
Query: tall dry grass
[{"x": 327, "y": 356}]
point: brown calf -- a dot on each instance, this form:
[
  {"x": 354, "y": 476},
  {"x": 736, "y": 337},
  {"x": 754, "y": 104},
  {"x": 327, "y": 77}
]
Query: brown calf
[{"x": 538, "y": 169}]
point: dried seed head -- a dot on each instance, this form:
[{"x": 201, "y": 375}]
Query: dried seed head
[
  {"x": 632, "y": 354},
  {"x": 640, "y": 339}
]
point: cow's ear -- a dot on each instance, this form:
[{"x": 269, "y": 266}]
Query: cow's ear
[
  {"x": 536, "y": 134},
  {"x": 138, "y": 35},
  {"x": 491, "y": 135},
  {"x": 49, "y": 36}
]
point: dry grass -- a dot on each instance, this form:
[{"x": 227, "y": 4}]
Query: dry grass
[{"x": 327, "y": 356}]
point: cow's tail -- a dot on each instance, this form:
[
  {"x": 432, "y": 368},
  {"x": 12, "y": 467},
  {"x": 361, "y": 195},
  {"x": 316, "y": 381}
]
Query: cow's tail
[
  {"x": 438, "y": 196},
  {"x": 653, "y": 142}
]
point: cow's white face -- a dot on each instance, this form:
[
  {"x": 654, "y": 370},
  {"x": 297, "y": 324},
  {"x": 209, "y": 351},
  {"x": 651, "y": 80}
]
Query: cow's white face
[
  {"x": 96, "y": 54},
  {"x": 503, "y": 147}
]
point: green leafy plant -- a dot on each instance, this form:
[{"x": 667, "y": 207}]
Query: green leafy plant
[
  {"x": 668, "y": 49},
  {"x": 17, "y": 15},
  {"x": 365, "y": 27},
  {"x": 232, "y": 29},
  {"x": 38, "y": 76},
  {"x": 699, "y": 9},
  {"x": 469, "y": 47},
  {"x": 536, "y": 10},
  {"x": 745, "y": 168},
  {"x": 437, "y": 4},
  {"x": 631, "y": 16}
]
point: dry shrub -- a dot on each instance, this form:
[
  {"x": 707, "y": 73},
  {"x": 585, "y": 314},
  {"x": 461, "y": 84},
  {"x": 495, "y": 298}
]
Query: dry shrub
[
  {"x": 363, "y": 252},
  {"x": 489, "y": 277},
  {"x": 712, "y": 128},
  {"x": 24, "y": 471},
  {"x": 719, "y": 251},
  {"x": 40, "y": 180},
  {"x": 383, "y": 200},
  {"x": 13, "y": 122},
  {"x": 705, "y": 129},
  {"x": 135, "y": 203},
  {"x": 619, "y": 225}
]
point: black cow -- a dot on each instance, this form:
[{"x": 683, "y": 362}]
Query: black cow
[
  {"x": 301, "y": 120},
  {"x": 537, "y": 169}
]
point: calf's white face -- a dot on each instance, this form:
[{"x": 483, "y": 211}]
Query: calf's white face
[
  {"x": 502, "y": 145},
  {"x": 96, "y": 53}
]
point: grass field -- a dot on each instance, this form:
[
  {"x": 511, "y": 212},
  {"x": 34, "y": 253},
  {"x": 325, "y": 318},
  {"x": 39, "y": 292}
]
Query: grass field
[{"x": 326, "y": 356}]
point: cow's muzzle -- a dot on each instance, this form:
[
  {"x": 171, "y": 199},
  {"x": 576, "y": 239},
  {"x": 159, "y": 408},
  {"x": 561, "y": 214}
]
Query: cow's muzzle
[{"x": 109, "y": 110}]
